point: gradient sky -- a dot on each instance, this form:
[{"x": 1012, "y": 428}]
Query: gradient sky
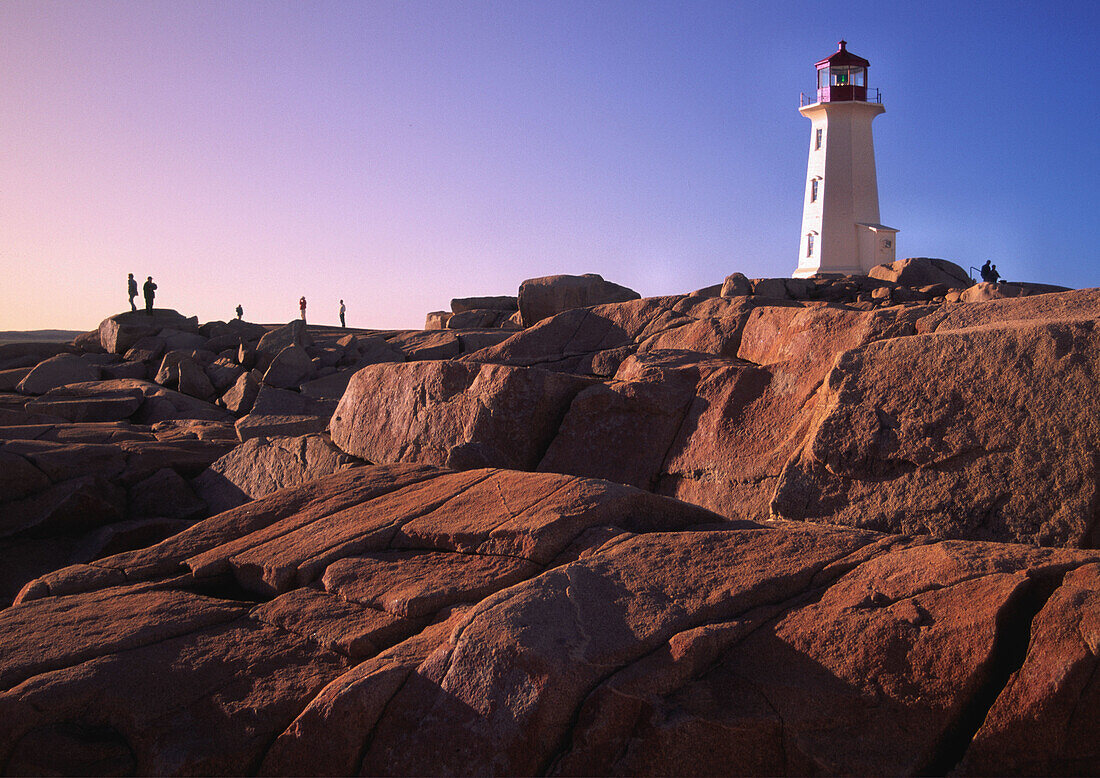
[{"x": 398, "y": 154}]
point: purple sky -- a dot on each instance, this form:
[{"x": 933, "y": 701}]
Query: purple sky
[{"x": 398, "y": 154}]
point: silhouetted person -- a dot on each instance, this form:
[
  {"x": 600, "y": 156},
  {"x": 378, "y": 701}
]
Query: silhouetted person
[
  {"x": 342, "y": 310},
  {"x": 149, "y": 289},
  {"x": 131, "y": 287},
  {"x": 994, "y": 276},
  {"x": 240, "y": 311},
  {"x": 985, "y": 270},
  {"x": 302, "y": 307}
]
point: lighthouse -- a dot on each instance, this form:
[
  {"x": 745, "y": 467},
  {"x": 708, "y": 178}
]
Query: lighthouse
[{"x": 841, "y": 233}]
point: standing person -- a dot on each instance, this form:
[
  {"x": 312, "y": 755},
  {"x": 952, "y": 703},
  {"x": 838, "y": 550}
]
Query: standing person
[
  {"x": 985, "y": 271},
  {"x": 150, "y": 292},
  {"x": 994, "y": 276},
  {"x": 240, "y": 311},
  {"x": 342, "y": 310},
  {"x": 131, "y": 287},
  {"x": 302, "y": 307}
]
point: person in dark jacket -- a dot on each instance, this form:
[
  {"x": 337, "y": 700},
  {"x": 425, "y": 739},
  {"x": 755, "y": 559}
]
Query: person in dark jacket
[
  {"x": 240, "y": 311},
  {"x": 131, "y": 287},
  {"x": 150, "y": 290}
]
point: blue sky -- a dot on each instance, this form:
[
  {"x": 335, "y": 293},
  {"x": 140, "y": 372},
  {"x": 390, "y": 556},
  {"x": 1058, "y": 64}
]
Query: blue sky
[{"x": 398, "y": 154}]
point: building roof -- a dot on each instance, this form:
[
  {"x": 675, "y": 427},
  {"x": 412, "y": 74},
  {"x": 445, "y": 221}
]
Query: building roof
[{"x": 843, "y": 57}]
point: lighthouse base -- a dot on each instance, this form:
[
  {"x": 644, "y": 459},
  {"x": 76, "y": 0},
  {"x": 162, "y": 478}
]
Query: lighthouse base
[
  {"x": 813, "y": 272},
  {"x": 876, "y": 244}
]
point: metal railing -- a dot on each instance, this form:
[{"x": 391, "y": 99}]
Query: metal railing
[{"x": 874, "y": 95}]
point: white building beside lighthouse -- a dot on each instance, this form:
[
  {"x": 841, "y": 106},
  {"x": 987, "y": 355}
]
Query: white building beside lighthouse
[{"x": 841, "y": 233}]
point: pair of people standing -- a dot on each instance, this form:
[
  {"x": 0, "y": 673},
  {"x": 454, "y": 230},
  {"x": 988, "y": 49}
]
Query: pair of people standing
[
  {"x": 302, "y": 309},
  {"x": 149, "y": 290},
  {"x": 989, "y": 272}
]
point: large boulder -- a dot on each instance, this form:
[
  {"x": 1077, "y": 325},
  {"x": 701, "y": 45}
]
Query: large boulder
[
  {"x": 57, "y": 371},
  {"x": 986, "y": 433},
  {"x": 293, "y": 333},
  {"x": 119, "y": 333},
  {"x": 922, "y": 271},
  {"x": 475, "y": 319},
  {"x": 1043, "y": 722},
  {"x": 736, "y": 285},
  {"x": 289, "y": 368},
  {"x": 260, "y": 466},
  {"x": 984, "y": 291},
  {"x": 541, "y": 298},
  {"x": 108, "y": 405},
  {"x": 437, "y": 320},
  {"x": 461, "y": 414},
  {"x": 422, "y": 345},
  {"x": 622, "y": 431},
  {"x": 499, "y": 303},
  {"x": 282, "y": 413},
  {"x": 586, "y": 340},
  {"x": 146, "y": 350},
  {"x": 239, "y": 398}
]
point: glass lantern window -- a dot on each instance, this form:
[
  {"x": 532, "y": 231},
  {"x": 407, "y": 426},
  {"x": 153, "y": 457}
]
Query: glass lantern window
[{"x": 847, "y": 76}]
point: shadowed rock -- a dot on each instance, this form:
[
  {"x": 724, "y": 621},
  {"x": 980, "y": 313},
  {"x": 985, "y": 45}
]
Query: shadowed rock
[{"x": 57, "y": 371}]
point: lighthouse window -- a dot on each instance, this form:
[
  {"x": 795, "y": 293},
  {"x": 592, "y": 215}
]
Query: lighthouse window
[
  {"x": 813, "y": 191},
  {"x": 817, "y": 139},
  {"x": 847, "y": 76},
  {"x": 810, "y": 245}
]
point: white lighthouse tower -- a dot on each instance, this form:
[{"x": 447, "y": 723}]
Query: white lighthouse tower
[{"x": 841, "y": 234}]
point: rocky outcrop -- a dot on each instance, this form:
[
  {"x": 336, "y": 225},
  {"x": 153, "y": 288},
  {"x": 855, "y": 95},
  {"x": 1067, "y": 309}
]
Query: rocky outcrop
[
  {"x": 586, "y": 340},
  {"x": 541, "y": 298},
  {"x": 777, "y": 526},
  {"x": 408, "y": 620},
  {"x": 72, "y": 492},
  {"x": 933, "y": 434},
  {"x": 464, "y": 414},
  {"x": 262, "y": 465},
  {"x": 57, "y": 371},
  {"x": 119, "y": 333},
  {"x": 744, "y": 405},
  {"x": 497, "y": 303},
  {"x": 923, "y": 271},
  {"x": 282, "y": 413}
]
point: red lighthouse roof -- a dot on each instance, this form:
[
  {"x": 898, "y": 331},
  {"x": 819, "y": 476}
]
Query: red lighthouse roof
[{"x": 843, "y": 57}]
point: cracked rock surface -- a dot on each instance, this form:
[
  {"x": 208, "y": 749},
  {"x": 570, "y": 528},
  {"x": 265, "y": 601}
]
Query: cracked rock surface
[{"x": 414, "y": 620}]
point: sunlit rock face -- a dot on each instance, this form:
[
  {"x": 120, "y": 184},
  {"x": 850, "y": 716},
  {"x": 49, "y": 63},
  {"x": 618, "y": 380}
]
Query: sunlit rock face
[
  {"x": 412, "y": 620},
  {"x": 780, "y": 526}
]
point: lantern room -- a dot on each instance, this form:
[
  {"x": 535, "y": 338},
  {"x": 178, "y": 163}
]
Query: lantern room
[{"x": 843, "y": 76}]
